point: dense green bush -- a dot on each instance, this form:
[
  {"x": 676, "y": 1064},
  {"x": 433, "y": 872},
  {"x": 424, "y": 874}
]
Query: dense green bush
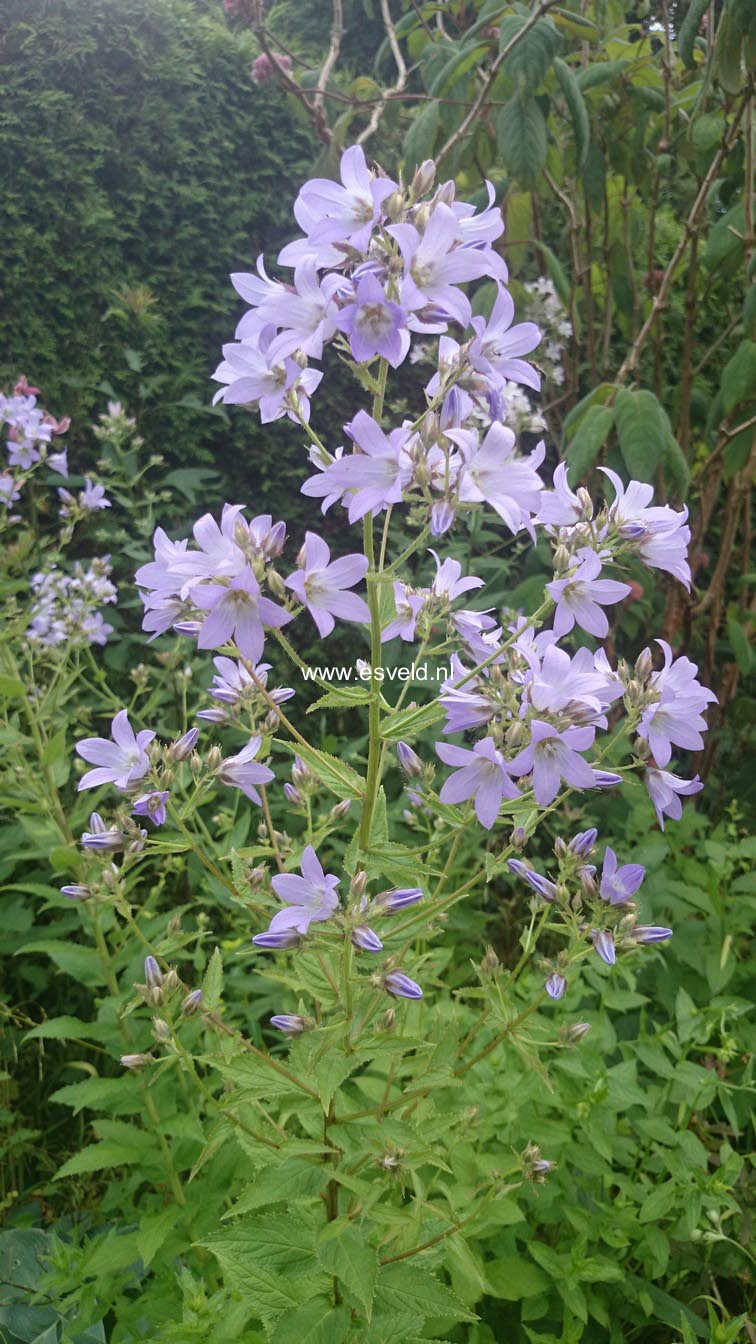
[{"x": 141, "y": 165}]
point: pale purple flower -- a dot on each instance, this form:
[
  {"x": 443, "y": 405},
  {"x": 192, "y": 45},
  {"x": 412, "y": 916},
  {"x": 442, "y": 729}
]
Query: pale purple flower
[
  {"x": 122, "y": 761},
  {"x": 495, "y": 475},
  {"x": 481, "y": 774},
  {"x": 9, "y": 490},
  {"x": 448, "y": 582},
  {"x": 555, "y": 986},
  {"x": 561, "y": 507},
  {"x": 234, "y": 683},
  {"x": 91, "y": 498},
  {"x": 243, "y": 772},
  {"x": 257, "y": 373},
  {"x": 58, "y": 462},
  {"x": 307, "y": 313},
  {"x": 331, "y": 213},
  {"x": 374, "y": 325},
  {"x": 666, "y": 790},
  {"x": 435, "y": 264},
  {"x": 498, "y": 345},
  {"x": 553, "y": 757},
  {"x": 400, "y": 985},
  {"x": 659, "y": 534},
  {"x": 581, "y": 595},
  {"x": 676, "y": 720},
  {"x": 584, "y": 683},
  {"x": 619, "y": 884},
  {"x": 408, "y": 606},
  {"x": 321, "y": 585},
  {"x": 369, "y": 480},
  {"x": 238, "y": 611},
  {"x": 152, "y": 805},
  {"x": 309, "y": 898},
  {"x": 468, "y": 706}
]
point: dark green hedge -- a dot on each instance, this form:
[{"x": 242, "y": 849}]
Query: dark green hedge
[{"x": 136, "y": 151}]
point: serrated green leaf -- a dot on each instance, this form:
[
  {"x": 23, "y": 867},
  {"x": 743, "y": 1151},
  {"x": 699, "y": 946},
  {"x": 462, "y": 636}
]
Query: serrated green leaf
[
  {"x": 99, "y": 1157},
  {"x": 294, "y": 1179},
  {"x": 153, "y": 1231},
  {"x": 512, "y": 1277},
  {"x": 406, "y": 1289},
  {"x": 421, "y": 136},
  {"x": 11, "y": 688},
  {"x": 318, "y": 1322},
  {"x": 343, "y": 1251},
  {"x": 342, "y": 695},
  {"x": 409, "y": 722},
  {"x": 212, "y": 983},
  {"x": 336, "y": 775},
  {"x": 81, "y": 963}
]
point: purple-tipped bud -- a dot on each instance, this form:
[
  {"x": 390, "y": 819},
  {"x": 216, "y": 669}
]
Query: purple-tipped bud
[
  {"x": 107, "y": 841},
  {"x": 152, "y": 973},
  {"x": 399, "y": 898},
  {"x": 545, "y": 888},
  {"x": 192, "y": 1003},
  {"x": 519, "y": 839},
  {"x": 423, "y": 179},
  {"x": 136, "y": 1061},
  {"x": 183, "y": 746},
  {"x": 644, "y": 664},
  {"x": 442, "y": 517},
  {"x": 576, "y": 1032},
  {"x": 292, "y": 795},
  {"x": 188, "y": 628},
  {"x": 555, "y": 986},
  {"x": 217, "y": 715},
  {"x": 632, "y": 531},
  {"x": 650, "y": 933},
  {"x": 289, "y": 1023},
  {"x": 517, "y": 867},
  {"x": 365, "y": 939},
  {"x": 340, "y": 810},
  {"x": 275, "y": 942},
  {"x": 275, "y": 541},
  {"x": 604, "y": 779},
  {"x": 603, "y": 942},
  {"x": 358, "y": 885},
  {"x": 76, "y": 892},
  {"x": 583, "y": 842},
  {"x": 301, "y": 774},
  {"x": 409, "y": 761},
  {"x": 400, "y": 985}
]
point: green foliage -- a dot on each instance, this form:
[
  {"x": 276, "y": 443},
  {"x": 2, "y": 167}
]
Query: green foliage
[{"x": 141, "y": 165}]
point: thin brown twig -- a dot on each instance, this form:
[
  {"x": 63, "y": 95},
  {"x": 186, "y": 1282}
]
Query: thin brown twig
[
  {"x": 631, "y": 359},
  {"x": 401, "y": 77},
  {"x": 480, "y": 101}
]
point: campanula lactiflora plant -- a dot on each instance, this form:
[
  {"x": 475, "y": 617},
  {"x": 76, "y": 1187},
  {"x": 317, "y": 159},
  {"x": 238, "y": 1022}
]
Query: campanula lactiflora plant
[{"x": 534, "y": 714}]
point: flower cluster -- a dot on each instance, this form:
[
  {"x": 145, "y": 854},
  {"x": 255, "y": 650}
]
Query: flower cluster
[
  {"x": 378, "y": 265},
  {"x": 65, "y": 607}
]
